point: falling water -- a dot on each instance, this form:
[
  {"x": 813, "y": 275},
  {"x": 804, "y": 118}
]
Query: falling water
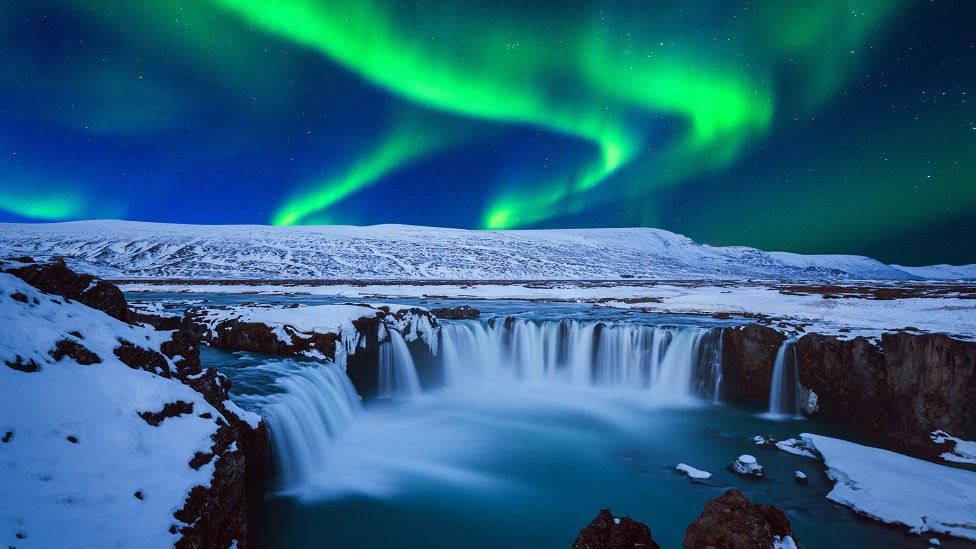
[
  {"x": 315, "y": 403},
  {"x": 783, "y": 394},
  {"x": 667, "y": 361},
  {"x": 397, "y": 371}
]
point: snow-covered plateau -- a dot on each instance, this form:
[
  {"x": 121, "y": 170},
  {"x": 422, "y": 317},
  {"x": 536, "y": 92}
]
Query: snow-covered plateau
[{"x": 125, "y": 250}]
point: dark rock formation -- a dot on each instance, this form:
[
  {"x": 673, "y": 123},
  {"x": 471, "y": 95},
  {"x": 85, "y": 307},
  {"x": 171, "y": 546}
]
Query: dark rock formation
[
  {"x": 456, "y": 313},
  {"x": 76, "y": 351},
  {"x": 170, "y": 409},
  {"x": 140, "y": 358},
  {"x": 731, "y": 521},
  {"x": 57, "y": 279},
  {"x": 747, "y": 362},
  {"x": 899, "y": 391},
  {"x": 22, "y": 364},
  {"x": 607, "y": 532}
]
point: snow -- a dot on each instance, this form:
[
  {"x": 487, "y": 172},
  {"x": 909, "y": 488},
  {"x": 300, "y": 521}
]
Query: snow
[
  {"x": 964, "y": 451},
  {"x": 692, "y": 472},
  {"x": 942, "y": 272},
  {"x": 322, "y": 319},
  {"x": 846, "y": 318},
  {"x": 616, "y": 520},
  {"x": 62, "y": 494},
  {"x": 799, "y": 475},
  {"x": 797, "y": 447},
  {"x": 898, "y": 489},
  {"x": 121, "y": 249},
  {"x": 784, "y": 542},
  {"x": 747, "y": 465}
]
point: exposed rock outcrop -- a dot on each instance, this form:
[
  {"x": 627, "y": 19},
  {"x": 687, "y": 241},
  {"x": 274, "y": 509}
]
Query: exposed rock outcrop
[
  {"x": 57, "y": 279},
  {"x": 456, "y": 313},
  {"x": 608, "y": 532},
  {"x": 747, "y": 362},
  {"x": 731, "y": 521},
  {"x": 898, "y": 391}
]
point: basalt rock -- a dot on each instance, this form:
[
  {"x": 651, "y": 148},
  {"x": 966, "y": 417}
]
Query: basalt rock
[
  {"x": 456, "y": 313},
  {"x": 57, "y": 279},
  {"x": 76, "y": 351},
  {"x": 747, "y": 362},
  {"x": 731, "y": 521},
  {"x": 607, "y": 532},
  {"x": 898, "y": 391}
]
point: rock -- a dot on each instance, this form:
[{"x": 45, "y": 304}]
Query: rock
[
  {"x": 72, "y": 439},
  {"x": 801, "y": 478},
  {"x": 76, "y": 351},
  {"x": 456, "y": 313},
  {"x": 746, "y": 466},
  {"x": 170, "y": 409},
  {"x": 767, "y": 441},
  {"x": 898, "y": 391},
  {"x": 748, "y": 354},
  {"x": 607, "y": 532},
  {"x": 731, "y": 521},
  {"x": 57, "y": 279},
  {"x": 23, "y": 365},
  {"x": 140, "y": 358}
]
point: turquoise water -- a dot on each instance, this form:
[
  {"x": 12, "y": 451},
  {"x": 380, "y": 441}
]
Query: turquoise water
[{"x": 498, "y": 464}]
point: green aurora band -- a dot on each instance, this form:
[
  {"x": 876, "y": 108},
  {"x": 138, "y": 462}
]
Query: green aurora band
[{"x": 585, "y": 80}]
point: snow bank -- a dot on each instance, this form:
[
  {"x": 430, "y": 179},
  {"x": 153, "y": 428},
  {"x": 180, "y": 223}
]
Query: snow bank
[
  {"x": 898, "y": 489},
  {"x": 73, "y": 451},
  {"x": 697, "y": 474},
  {"x": 964, "y": 451}
]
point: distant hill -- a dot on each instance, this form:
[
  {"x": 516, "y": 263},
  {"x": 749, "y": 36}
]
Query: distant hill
[{"x": 123, "y": 249}]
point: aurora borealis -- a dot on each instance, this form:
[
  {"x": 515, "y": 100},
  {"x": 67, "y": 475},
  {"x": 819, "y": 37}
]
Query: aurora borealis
[{"x": 828, "y": 127}]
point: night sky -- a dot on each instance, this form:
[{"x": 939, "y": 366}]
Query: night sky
[{"x": 815, "y": 127}]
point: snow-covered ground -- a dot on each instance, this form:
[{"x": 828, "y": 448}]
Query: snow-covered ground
[
  {"x": 120, "y": 249},
  {"x": 73, "y": 451},
  {"x": 303, "y": 321},
  {"x": 846, "y": 317},
  {"x": 898, "y": 489}
]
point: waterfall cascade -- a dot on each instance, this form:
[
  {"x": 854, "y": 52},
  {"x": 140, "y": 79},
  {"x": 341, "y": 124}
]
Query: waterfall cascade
[
  {"x": 397, "y": 371},
  {"x": 784, "y": 396},
  {"x": 667, "y": 361},
  {"x": 315, "y": 402}
]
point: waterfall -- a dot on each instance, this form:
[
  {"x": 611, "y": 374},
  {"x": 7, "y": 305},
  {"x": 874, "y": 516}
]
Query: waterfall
[
  {"x": 783, "y": 394},
  {"x": 397, "y": 371},
  {"x": 667, "y": 361},
  {"x": 314, "y": 404}
]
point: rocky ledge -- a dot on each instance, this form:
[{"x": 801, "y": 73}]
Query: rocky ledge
[
  {"x": 897, "y": 389},
  {"x": 116, "y": 382}
]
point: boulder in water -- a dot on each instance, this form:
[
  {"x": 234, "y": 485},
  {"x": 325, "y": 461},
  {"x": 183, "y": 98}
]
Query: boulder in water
[
  {"x": 608, "y": 532},
  {"x": 746, "y": 466},
  {"x": 732, "y": 521}
]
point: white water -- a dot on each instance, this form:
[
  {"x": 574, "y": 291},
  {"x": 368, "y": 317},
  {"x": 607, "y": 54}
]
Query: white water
[
  {"x": 397, "y": 371},
  {"x": 509, "y": 362},
  {"x": 668, "y": 362},
  {"x": 316, "y": 403},
  {"x": 783, "y": 394}
]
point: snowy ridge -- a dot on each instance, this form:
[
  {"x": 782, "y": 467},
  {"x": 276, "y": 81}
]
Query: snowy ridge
[
  {"x": 122, "y": 249},
  {"x": 80, "y": 468}
]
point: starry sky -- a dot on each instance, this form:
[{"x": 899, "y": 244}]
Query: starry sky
[{"x": 838, "y": 126}]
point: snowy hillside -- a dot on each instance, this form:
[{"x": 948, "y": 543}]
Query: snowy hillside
[{"x": 120, "y": 249}]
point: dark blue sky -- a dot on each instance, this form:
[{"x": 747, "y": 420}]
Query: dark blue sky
[{"x": 837, "y": 127}]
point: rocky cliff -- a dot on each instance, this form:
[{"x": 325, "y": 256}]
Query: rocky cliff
[{"x": 898, "y": 389}]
